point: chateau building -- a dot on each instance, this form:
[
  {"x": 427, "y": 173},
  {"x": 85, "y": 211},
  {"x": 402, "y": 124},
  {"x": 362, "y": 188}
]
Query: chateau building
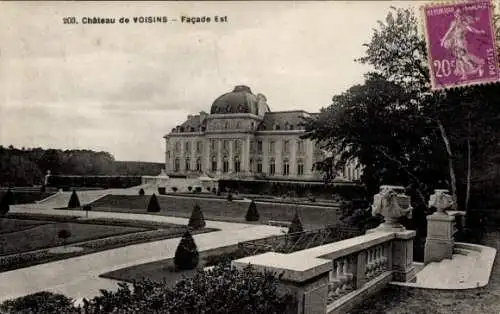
[{"x": 242, "y": 139}]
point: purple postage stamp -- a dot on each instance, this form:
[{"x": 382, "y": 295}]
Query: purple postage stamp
[{"x": 461, "y": 44}]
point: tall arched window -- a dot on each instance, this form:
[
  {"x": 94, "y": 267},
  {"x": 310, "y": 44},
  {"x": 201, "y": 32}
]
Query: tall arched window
[
  {"x": 272, "y": 167},
  {"x": 214, "y": 163},
  {"x": 225, "y": 164},
  {"x": 177, "y": 165},
  {"x": 177, "y": 146},
  {"x": 300, "y": 167},
  {"x": 251, "y": 165},
  {"x": 236, "y": 164},
  {"x": 188, "y": 163},
  {"x": 286, "y": 167},
  {"x": 198, "y": 164},
  {"x": 259, "y": 166}
]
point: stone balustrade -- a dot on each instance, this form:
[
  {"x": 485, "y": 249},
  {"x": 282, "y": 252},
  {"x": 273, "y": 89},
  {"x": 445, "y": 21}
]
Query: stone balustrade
[{"x": 335, "y": 277}]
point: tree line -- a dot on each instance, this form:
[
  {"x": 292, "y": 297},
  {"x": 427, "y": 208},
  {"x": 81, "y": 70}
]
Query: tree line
[{"x": 28, "y": 166}]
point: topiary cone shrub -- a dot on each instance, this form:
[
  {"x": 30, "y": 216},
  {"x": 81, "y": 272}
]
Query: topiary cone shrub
[
  {"x": 252, "y": 213},
  {"x": 186, "y": 256},
  {"x": 196, "y": 221},
  {"x": 153, "y": 205},
  {"x": 74, "y": 201},
  {"x": 141, "y": 191},
  {"x": 295, "y": 227},
  {"x": 5, "y": 202}
]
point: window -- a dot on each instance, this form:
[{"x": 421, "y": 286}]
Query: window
[
  {"x": 259, "y": 147},
  {"x": 251, "y": 125},
  {"x": 225, "y": 165},
  {"x": 187, "y": 147},
  {"x": 188, "y": 162},
  {"x": 271, "y": 147},
  {"x": 259, "y": 166},
  {"x": 237, "y": 145},
  {"x": 286, "y": 167},
  {"x": 168, "y": 154},
  {"x": 286, "y": 146},
  {"x": 199, "y": 146},
  {"x": 226, "y": 125},
  {"x": 277, "y": 127},
  {"x": 272, "y": 167},
  {"x": 214, "y": 163},
  {"x": 177, "y": 146},
  {"x": 237, "y": 124},
  {"x": 177, "y": 165},
  {"x": 212, "y": 145},
  {"x": 225, "y": 144},
  {"x": 236, "y": 164},
  {"x": 198, "y": 164},
  {"x": 291, "y": 126},
  {"x": 300, "y": 146},
  {"x": 251, "y": 165},
  {"x": 300, "y": 168},
  {"x": 252, "y": 146},
  {"x": 191, "y": 129}
]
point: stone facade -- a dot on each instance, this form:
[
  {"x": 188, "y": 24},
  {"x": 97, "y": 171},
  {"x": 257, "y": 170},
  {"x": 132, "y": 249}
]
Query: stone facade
[{"x": 242, "y": 139}]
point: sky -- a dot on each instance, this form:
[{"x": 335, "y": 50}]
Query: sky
[{"x": 120, "y": 88}]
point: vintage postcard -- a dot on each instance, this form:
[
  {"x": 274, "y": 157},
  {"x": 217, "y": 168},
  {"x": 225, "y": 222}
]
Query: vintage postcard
[{"x": 253, "y": 157}]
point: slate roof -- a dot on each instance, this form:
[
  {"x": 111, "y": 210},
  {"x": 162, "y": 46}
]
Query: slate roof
[{"x": 283, "y": 120}]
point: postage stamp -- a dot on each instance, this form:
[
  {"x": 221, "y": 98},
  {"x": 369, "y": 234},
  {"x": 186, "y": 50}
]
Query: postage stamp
[{"x": 461, "y": 44}]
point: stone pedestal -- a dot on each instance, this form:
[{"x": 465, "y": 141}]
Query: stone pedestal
[
  {"x": 402, "y": 256},
  {"x": 439, "y": 242}
]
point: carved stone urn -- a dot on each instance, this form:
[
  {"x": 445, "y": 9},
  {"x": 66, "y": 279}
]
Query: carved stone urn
[
  {"x": 441, "y": 200},
  {"x": 392, "y": 203}
]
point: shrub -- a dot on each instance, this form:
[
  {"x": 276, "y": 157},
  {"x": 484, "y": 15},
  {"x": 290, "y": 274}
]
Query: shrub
[
  {"x": 141, "y": 191},
  {"x": 186, "y": 255},
  {"x": 196, "y": 221},
  {"x": 38, "y": 303},
  {"x": 296, "y": 225},
  {"x": 190, "y": 188},
  {"x": 64, "y": 234},
  {"x": 221, "y": 290},
  {"x": 7, "y": 200},
  {"x": 252, "y": 213},
  {"x": 212, "y": 260},
  {"x": 153, "y": 205},
  {"x": 230, "y": 197},
  {"x": 74, "y": 201},
  {"x": 174, "y": 188}
]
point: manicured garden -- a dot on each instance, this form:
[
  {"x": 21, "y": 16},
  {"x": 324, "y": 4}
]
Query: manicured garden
[
  {"x": 219, "y": 209},
  {"x": 26, "y": 239}
]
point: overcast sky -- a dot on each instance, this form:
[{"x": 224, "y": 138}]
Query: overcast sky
[{"x": 120, "y": 88}]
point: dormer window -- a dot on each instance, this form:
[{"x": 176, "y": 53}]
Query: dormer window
[
  {"x": 291, "y": 126},
  {"x": 181, "y": 129},
  {"x": 277, "y": 127},
  {"x": 191, "y": 129}
]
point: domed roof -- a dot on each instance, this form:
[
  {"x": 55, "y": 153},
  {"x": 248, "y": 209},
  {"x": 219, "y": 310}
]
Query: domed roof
[{"x": 240, "y": 100}]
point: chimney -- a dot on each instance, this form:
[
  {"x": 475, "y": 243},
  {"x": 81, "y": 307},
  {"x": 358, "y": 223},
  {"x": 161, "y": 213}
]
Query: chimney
[{"x": 203, "y": 116}]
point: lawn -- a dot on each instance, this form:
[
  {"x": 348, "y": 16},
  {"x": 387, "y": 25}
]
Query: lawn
[
  {"x": 403, "y": 300},
  {"x": 218, "y": 209},
  {"x": 29, "y": 235},
  {"x": 164, "y": 270}
]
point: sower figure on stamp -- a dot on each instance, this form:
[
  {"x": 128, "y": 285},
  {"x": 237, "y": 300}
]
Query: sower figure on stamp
[{"x": 455, "y": 41}]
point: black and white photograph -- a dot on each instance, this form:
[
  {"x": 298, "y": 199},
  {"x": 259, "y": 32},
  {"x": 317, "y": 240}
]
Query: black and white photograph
[{"x": 252, "y": 157}]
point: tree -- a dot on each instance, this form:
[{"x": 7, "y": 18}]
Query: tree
[
  {"x": 74, "y": 201},
  {"x": 252, "y": 213},
  {"x": 397, "y": 128},
  {"x": 64, "y": 234},
  {"x": 196, "y": 221},
  {"x": 153, "y": 205},
  {"x": 296, "y": 225},
  {"x": 186, "y": 255}
]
